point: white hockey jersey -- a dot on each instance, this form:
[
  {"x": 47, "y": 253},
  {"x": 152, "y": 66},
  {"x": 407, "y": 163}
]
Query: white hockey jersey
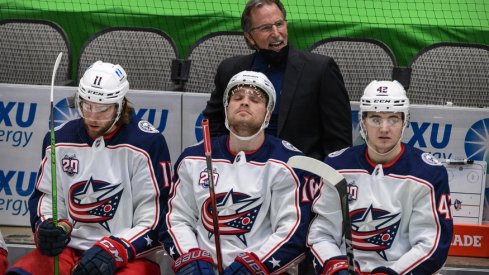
[
  {"x": 258, "y": 201},
  {"x": 115, "y": 185},
  {"x": 400, "y": 212}
]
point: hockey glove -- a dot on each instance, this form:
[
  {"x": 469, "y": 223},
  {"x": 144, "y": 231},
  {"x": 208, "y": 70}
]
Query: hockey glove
[
  {"x": 382, "y": 270},
  {"x": 246, "y": 263},
  {"x": 337, "y": 266},
  {"x": 3, "y": 260},
  {"x": 104, "y": 257},
  {"x": 51, "y": 239},
  {"x": 196, "y": 261}
]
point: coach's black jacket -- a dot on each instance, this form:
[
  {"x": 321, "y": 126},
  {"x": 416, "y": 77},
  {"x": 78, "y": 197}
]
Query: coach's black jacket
[{"x": 314, "y": 114}]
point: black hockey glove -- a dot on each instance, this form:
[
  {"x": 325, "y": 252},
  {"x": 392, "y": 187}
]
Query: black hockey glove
[
  {"x": 103, "y": 258},
  {"x": 51, "y": 239},
  {"x": 196, "y": 261},
  {"x": 382, "y": 270},
  {"x": 95, "y": 261},
  {"x": 246, "y": 263}
]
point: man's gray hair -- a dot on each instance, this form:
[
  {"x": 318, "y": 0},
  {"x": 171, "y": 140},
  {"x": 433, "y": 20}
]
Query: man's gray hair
[{"x": 246, "y": 15}]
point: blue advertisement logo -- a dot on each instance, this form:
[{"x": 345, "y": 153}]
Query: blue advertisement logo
[
  {"x": 198, "y": 128},
  {"x": 354, "y": 121},
  {"x": 63, "y": 113},
  {"x": 14, "y": 118},
  {"x": 355, "y": 124},
  {"x": 13, "y": 183},
  {"x": 477, "y": 140}
]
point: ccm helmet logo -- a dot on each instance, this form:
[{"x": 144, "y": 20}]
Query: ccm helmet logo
[
  {"x": 382, "y": 100},
  {"x": 95, "y": 92}
]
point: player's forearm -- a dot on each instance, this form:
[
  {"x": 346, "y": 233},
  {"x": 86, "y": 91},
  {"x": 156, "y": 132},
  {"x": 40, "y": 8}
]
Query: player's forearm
[
  {"x": 138, "y": 239},
  {"x": 418, "y": 262},
  {"x": 288, "y": 239},
  {"x": 179, "y": 240},
  {"x": 430, "y": 249},
  {"x": 325, "y": 248},
  {"x": 426, "y": 241},
  {"x": 148, "y": 211},
  {"x": 325, "y": 231},
  {"x": 180, "y": 221}
]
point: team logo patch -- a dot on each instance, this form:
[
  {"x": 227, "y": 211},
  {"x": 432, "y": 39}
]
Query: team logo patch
[
  {"x": 374, "y": 229},
  {"x": 337, "y": 153},
  {"x": 70, "y": 165},
  {"x": 352, "y": 188},
  {"x": 147, "y": 127},
  {"x": 204, "y": 178},
  {"x": 237, "y": 213},
  {"x": 289, "y": 146},
  {"x": 94, "y": 201},
  {"x": 430, "y": 159}
]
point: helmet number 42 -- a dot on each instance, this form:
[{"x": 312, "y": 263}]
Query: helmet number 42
[{"x": 382, "y": 89}]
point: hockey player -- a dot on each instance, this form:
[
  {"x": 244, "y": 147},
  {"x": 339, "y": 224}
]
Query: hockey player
[
  {"x": 262, "y": 223},
  {"x": 399, "y": 199},
  {"x": 112, "y": 179},
  {"x": 3, "y": 255}
]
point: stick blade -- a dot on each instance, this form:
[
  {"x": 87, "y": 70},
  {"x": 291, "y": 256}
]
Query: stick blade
[
  {"x": 316, "y": 167},
  {"x": 55, "y": 69}
]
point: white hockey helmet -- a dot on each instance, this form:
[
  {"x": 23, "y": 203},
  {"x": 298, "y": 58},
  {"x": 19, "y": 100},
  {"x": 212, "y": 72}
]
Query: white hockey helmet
[
  {"x": 103, "y": 83},
  {"x": 254, "y": 80},
  {"x": 384, "y": 96}
]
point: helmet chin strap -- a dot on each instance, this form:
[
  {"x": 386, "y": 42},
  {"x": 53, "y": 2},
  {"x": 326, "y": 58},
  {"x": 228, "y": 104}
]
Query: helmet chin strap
[
  {"x": 111, "y": 126},
  {"x": 262, "y": 127},
  {"x": 120, "y": 108}
]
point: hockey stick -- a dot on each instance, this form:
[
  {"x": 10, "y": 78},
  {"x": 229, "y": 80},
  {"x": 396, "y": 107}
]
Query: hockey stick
[
  {"x": 339, "y": 182},
  {"x": 212, "y": 194},
  {"x": 54, "y": 189}
]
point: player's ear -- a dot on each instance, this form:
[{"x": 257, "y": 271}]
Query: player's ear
[
  {"x": 268, "y": 116},
  {"x": 249, "y": 39}
]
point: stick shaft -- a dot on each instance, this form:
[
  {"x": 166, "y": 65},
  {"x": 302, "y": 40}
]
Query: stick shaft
[
  {"x": 212, "y": 194},
  {"x": 333, "y": 177},
  {"x": 345, "y": 209},
  {"x": 54, "y": 188}
]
